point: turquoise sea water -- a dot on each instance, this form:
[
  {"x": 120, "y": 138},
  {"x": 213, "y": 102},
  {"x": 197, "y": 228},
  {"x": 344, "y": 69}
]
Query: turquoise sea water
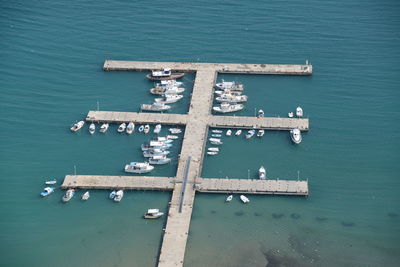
[{"x": 50, "y": 76}]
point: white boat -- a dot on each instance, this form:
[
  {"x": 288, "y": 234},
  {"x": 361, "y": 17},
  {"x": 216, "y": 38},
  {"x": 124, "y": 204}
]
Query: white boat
[
  {"x": 155, "y": 152},
  {"x": 216, "y": 142},
  {"x": 122, "y": 127},
  {"x": 299, "y": 112},
  {"x": 104, "y": 127},
  {"x": 155, "y": 145},
  {"x": 169, "y": 99},
  {"x": 164, "y": 74},
  {"x": 153, "y": 214},
  {"x": 77, "y": 126},
  {"x": 226, "y": 108},
  {"x": 262, "y": 173},
  {"x": 216, "y": 135},
  {"x": 295, "y": 135},
  {"x": 47, "y": 191},
  {"x": 229, "y": 98},
  {"x": 54, "y": 181},
  {"x": 261, "y": 113},
  {"x": 167, "y": 90},
  {"x": 155, "y": 107},
  {"x": 119, "y": 195},
  {"x": 171, "y": 82},
  {"x": 86, "y": 196},
  {"x": 112, "y": 194},
  {"x": 157, "y": 129},
  {"x": 244, "y": 199},
  {"x": 175, "y": 130},
  {"x": 229, "y": 85},
  {"x": 290, "y": 114},
  {"x": 229, "y": 198},
  {"x": 92, "y": 128},
  {"x": 216, "y": 131},
  {"x": 238, "y": 132},
  {"x": 214, "y": 139},
  {"x": 227, "y": 91},
  {"x": 214, "y": 149},
  {"x": 159, "y": 160},
  {"x": 164, "y": 139},
  {"x": 172, "y": 137},
  {"x": 138, "y": 167},
  {"x": 146, "y": 129},
  {"x": 250, "y": 133},
  {"x": 130, "y": 128},
  {"x": 141, "y": 128},
  {"x": 260, "y": 133},
  {"x": 212, "y": 153},
  {"x": 68, "y": 195},
  {"x": 229, "y": 133}
]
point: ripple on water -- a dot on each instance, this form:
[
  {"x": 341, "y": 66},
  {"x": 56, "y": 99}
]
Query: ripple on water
[
  {"x": 239, "y": 213},
  {"x": 348, "y": 224},
  {"x": 295, "y": 216},
  {"x": 321, "y": 219},
  {"x": 277, "y": 215},
  {"x": 392, "y": 215},
  {"x": 257, "y": 214}
]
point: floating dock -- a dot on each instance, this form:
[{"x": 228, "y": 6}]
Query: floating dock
[{"x": 196, "y": 122}]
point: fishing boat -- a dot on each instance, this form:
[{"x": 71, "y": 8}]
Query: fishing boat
[
  {"x": 262, "y": 173},
  {"x": 290, "y": 114},
  {"x": 175, "y": 130},
  {"x": 104, "y": 127},
  {"x": 153, "y": 214},
  {"x": 244, "y": 199},
  {"x": 260, "y": 133},
  {"x": 130, "y": 128},
  {"x": 229, "y": 98},
  {"x": 68, "y": 195},
  {"x": 172, "y": 137},
  {"x": 216, "y": 131},
  {"x": 229, "y": 133},
  {"x": 169, "y": 99},
  {"x": 229, "y": 198},
  {"x": 250, "y": 133},
  {"x": 77, "y": 126},
  {"x": 119, "y": 195},
  {"x": 92, "y": 128},
  {"x": 157, "y": 129},
  {"x": 227, "y": 91},
  {"x": 226, "y": 108},
  {"x": 155, "y": 152},
  {"x": 261, "y": 113},
  {"x": 167, "y": 90},
  {"x": 164, "y": 139},
  {"x": 164, "y": 74},
  {"x": 170, "y": 82},
  {"x": 155, "y": 145},
  {"x": 238, "y": 132},
  {"x": 146, "y": 129},
  {"x": 215, "y": 141},
  {"x": 159, "y": 160},
  {"x": 216, "y": 135},
  {"x": 47, "y": 191},
  {"x": 212, "y": 153},
  {"x": 138, "y": 167},
  {"x": 122, "y": 127},
  {"x": 214, "y": 149},
  {"x": 112, "y": 194},
  {"x": 230, "y": 85},
  {"x": 295, "y": 135},
  {"x": 299, "y": 112},
  {"x": 86, "y": 196},
  {"x": 141, "y": 128},
  {"x": 54, "y": 181},
  {"x": 154, "y": 107}
]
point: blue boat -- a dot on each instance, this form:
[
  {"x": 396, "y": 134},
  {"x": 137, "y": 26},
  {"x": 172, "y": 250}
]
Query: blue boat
[{"x": 47, "y": 191}]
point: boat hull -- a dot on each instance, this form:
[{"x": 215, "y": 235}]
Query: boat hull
[{"x": 173, "y": 76}]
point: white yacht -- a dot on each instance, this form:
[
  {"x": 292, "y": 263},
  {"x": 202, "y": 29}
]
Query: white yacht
[
  {"x": 164, "y": 139},
  {"x": 295, "y": 135},
  {"x": 157, "y": 129},
  {"x": 244, "y": 199},
  {"x": 153, "y": 214},
  {"x": 229, "y": 198},
  {"x": 260, "y": 133},
  {"x": 250, "y": 133},
  {"x": 215, "y": 141},
  {"x": 92, "y": 128},
  {"x": 229, "y": 85},
  {"x": 155, "y": 152},
  {"x": 214, "y": 149},
  {"x": 104, "y": 127},
  {"x": 216, "y": 135},
  {"x": 229, "y": 98},
  {"x": 122, "y": 127},
  {"x": 175, "y": 130},
  {"x": 164, "y": 74},
  {"x": 169, "y": 99},
  {"x": 130, "y": 128},
  {"x": 119, "y": 195},
  {"x": 77, "y": 126},
  {"x": 138, "y": 167},
  {"x": 261, "y": 113},
  {"x": 86, "y": 195},
  {"x": 216, "y": 131},
  {"x": 170, "y": 82},
  {"x": 146, "y": 129},
  {"x": 262, "y": 173},
  {"x": 229, "y": 133},
  {"x": 228, "y": 91},
  {"x": 238, "y": 132},
  {"x": 159, "y": 160},
  {"x": 212, "y": 153},
  {"x": 155, "y": 145},
  {"x": 54, "y": 181},
  {"x": 299, "y": 112},
  {"x": 155, "y": 107},
  {"x": 290, "y": 114},
  {"x": 141, "y": 128},
  {"x": 226, "y": 107},
  {"x": 172, "y": 137},
  {"x": 167, "y": 90}
]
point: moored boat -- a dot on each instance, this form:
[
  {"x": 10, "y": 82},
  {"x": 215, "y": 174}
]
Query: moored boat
[
  {"x": 130, "y": 128},
  {"x": 230, "y": 85},
  {"x": 68, "y": 195},
  {"x": 172, "y": 137},
  {"x": 141, "y": 128},
  {"x": 229, "y": 133},
  {"x": 214, "y": 149},
  {"x": 216, "y": 131},
  {"x": 47, "y": 191},
  {"x": 262, "y": 173},
  {"x": 299, "y": 112},
  {"x": 121, "y": 127},
  {"x": 175, "y": 130},
  {"x": 250, "y": 133},
  {"x": 92, "y": 128},
  {"x": 290, "y": 114},
  {"x": 138, "y": 167},
  {"x": 112, "y": 194},
  {"x": 157, "y": 129},
  {"x": 229, "y": 98},
  {"x": 119, "y": 195},
  {"x": 153, "y": 214},
  {"x": 169, "y": 99},
  {"x": 238, "y": 132},
  {"x": 159, "y": 160},
  {"x": 261, "y": 113},
  {"x": 86, "y": 195},
  {"x": 155, "y": 107},
  {"x": 226, "y": 108},
  {"x": 164, "y": 74},
  {"x": 260, "y": 133},
  {"x": 212, "y": 153},
  {"x": 216, "y": 142},
  {"x": 170, "y": 82},
  {"x": 216, "y": 135},
  {"x": 104, "y": 127},
  {"x": 166, "y": 90},
  {"x": 77, "y": 126},
  {"x": 146, "y": 129},
  {"x": 227, "y": 91},
  {"x": 54, "y": 181},
  {"x": 244, "y": 199},
  {"x": 155, "y": 152},
  {"x": 295, "y": 135},
  {"x": 229, "y": 198}
]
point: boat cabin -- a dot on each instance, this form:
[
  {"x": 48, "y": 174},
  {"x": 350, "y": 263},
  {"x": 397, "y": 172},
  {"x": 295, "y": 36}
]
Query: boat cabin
[{"x": 161, "y": 73}]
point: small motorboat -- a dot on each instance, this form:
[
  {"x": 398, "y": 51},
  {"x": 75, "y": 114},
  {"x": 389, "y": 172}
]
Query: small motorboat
[
  {"x": 228, "y": 91},
  {"x": 141, "y": 128},
  {"x": 112, "y": 194},
  {"x": 227, "y": 108},
  {"x": 155, "y": 145},
  {"x": 168, "y": 99},
  {"x": 104, "y": 127},
  {"x": 153, "y": 214},
  {"x": 260, "y": 133},
  {"x": 47, "y": 191},
  {"x": 244, "y": 199},
  {"x": 155, "y": 152},
  {"x": 216, "y": 131},
  {"x": 54, "y": 181},
  {"x": 229, "y": 133},
  {"x": 175, "y": 130},
  {"x": 295, "y": 135},
  {"x": 146, "y": 129},
  {"x": 216, "y": 142},
  {"x": 77, "y": 126},
  {"x": 238, "y": 132},
  {"x": 138, "y": 167},
  {"x": 164, "y": 139},
  {"x": 157, "y": 129},
  {"x": 119, "y": 195},
  {"x": 229, "y": 98},
  {"x": 155, "y": 107},
  {"x": 216, "y": 135},
  {"x": 122, "y": 127},
  {"x": 92, "y": 128},
  {"x": 164, "y": 74},
  {"x": 172, "y": 137},
  {"x": 290, "y": 114},
  {"x": 234, "y": 86},
  {"x": 215, "y": 149},
  {"x": 261, "y": 113},
  {"x": 262, "y": 173},
  {"x": 250, "y": 133},
  {"x": 68, "y": 195},
  {"x": 86, "y": 196},
  {"x": 299, "y": 112},
  {"x": 159, "y": 160},
  {"x": 214, "y": 139},
  {"x": 212, "y": 153},
  {"x": 229, "y": 198},
  {"x": 130, "y": 128},
  {"x": 170, "y": 82}
]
